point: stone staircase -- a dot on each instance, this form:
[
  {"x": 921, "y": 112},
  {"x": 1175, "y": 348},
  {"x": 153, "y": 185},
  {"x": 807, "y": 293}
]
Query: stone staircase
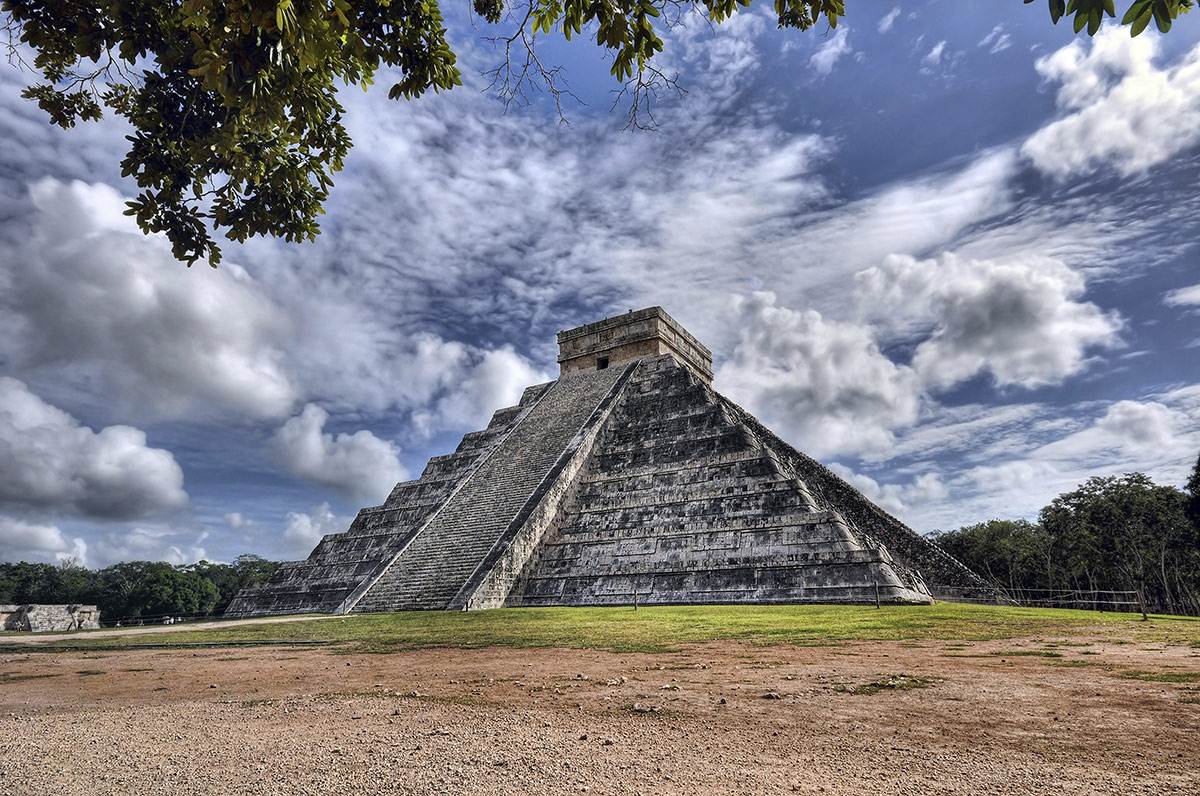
[
  {"x": 681, "y": 502},
  {"x": 342, "y": 563},
  {"x": 439, "y": 560}
]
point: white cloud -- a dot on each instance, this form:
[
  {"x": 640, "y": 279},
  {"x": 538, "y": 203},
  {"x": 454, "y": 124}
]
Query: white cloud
[
  {"x": 829, "y": 53},
  {"x": 89, "y": 290},
  {"x": 358, "y": 465},
  {"x": 303, "y": 531},
  {"x": 172, "y": 545},
  {"x": 934, "y": 56},
  {"x": 822, "y": 384},
  {"x": 1128, "y": 430},
  {"x": 1035, "y": 461},
  {"x": 997, "y": 40},
  {"x": 813, "y": 266},
  {"x": 899, "y": 499},
  {"x": 49, "y": 461},
  {"x": 497, "y": 379},
  {"x": 970, "y": 431},
  {"x": 1022, "y": 321},
  {"x": 94, "y": 301},
  {"x": 888, "y": 20},
  {"x": 1122, "y": 111},
  {"x": 1184, "y": 296},
  {"x": 37, "y": 543}
]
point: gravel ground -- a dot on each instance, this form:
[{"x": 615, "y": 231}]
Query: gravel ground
[{"x": 719, "y": 718}]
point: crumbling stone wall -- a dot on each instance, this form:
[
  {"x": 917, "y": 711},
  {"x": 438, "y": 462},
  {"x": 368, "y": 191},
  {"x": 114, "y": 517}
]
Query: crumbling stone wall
[{"x": 47, "y": 618}]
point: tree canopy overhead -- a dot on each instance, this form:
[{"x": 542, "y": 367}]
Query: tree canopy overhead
[{"x": 233, "y": 103}]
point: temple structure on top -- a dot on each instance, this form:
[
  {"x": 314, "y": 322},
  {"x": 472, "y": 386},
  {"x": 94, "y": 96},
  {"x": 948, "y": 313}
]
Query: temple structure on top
[{"x": 626, "y": 478}]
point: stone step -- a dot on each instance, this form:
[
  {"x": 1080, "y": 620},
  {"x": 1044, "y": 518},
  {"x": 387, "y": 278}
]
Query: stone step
[{"x": 438, "y": 562}]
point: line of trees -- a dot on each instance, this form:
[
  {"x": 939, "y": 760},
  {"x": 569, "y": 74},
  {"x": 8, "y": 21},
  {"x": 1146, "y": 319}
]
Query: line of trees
[
  {"x": 136, "y": 589},
  {"x": 1119, "y": 533}
]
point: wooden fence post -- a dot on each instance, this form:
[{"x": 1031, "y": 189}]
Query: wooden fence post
[
  {"x": 1142, "y": 605},
  {"x": 877, "y": 594}
]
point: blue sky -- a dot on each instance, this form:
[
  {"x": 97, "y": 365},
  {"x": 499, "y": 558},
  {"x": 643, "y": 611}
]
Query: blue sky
[{"x": 950, "y": 253}]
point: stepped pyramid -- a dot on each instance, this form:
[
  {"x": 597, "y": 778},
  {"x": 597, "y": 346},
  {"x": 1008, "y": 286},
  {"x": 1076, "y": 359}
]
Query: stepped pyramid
[{"x": 627, "y": 478}]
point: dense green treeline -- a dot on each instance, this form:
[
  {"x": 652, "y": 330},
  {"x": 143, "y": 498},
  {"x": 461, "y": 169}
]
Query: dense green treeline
[
  {"x": 136, "y": 589},
  {"x": 1120, "y": 533}
]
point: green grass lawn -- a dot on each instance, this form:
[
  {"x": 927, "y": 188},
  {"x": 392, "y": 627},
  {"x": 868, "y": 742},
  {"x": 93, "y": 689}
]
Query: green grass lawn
[{"x": 667, "y": 628}]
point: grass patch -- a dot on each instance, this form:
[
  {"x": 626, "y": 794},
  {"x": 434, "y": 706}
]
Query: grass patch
[
  {"x": 645, "y": 711},
  {"x": 89, "y": 672},
  {"x": 662, "y": 629},
  {"x": 16, "y": 677},
  {"x": 258, "y": 703},
  {"x": 1027, "y": 654},
  {"x": 1072, "y": 663},
  {"x": 242, "y": 658},
  {"x": 893, "y": 682},
  {"x": 1190, "y": 700},
  {"x": 1160, "y": 677},
  {"x": 386, "y": 693},
  {"x": 143, "y": 669}
]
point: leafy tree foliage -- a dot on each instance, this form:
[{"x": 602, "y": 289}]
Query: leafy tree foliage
[
  {"x": 1193, "y": 490},
  {"x": 41, "y": 583},
  {"x": 236, "y": 124},
  {"x": 1012, "y": 553},
  {"x": 1125, "y": 533},
  {"x": 246, "y": 572},
  {"x": 136, "y": 589},
  {"x": 1130, "y": 533}
]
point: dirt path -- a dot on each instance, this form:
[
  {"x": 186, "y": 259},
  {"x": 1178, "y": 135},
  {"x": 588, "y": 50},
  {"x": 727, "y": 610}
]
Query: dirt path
[
  {"x": 995, "y": 718},
  {"x": 39, "y": 638}
]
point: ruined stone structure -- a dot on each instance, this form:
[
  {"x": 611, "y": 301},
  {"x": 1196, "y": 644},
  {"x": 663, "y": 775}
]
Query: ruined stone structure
[
  {"x": 45, "y": 618},
  {"x": 627, "y": 478}
]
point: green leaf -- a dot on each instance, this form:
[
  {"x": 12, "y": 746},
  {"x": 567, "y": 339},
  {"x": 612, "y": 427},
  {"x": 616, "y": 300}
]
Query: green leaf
[
  {"x": 1141, "y": 22},
  {"x": 1139, "y": 9}
]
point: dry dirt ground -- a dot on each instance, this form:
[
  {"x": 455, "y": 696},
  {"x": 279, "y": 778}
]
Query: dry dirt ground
[{"x": 275, "y": 720}]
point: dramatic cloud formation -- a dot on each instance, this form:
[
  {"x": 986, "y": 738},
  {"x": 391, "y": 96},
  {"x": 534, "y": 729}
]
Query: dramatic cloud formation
[
  {"x": 1123, "y": 111},
  {"x": 35, "y": 542},
  {"x": 460, "y": 237},
  {"x": 359, "y": 465},
  {"x": 49, "y": 461},
  {"x": 89, "y": 290},
  {"x": 1022, "y": 322},
  {"x": 824, "y": 385}
]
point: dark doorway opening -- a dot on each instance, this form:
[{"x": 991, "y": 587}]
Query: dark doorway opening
[{"x": 601, "y": 363}]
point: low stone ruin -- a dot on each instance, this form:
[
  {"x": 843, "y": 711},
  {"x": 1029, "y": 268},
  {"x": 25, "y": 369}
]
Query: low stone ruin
[{"x": 46, "y": 618}]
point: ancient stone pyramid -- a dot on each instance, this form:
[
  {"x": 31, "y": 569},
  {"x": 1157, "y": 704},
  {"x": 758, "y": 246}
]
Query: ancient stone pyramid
[{"x": 627, "y": 478}]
